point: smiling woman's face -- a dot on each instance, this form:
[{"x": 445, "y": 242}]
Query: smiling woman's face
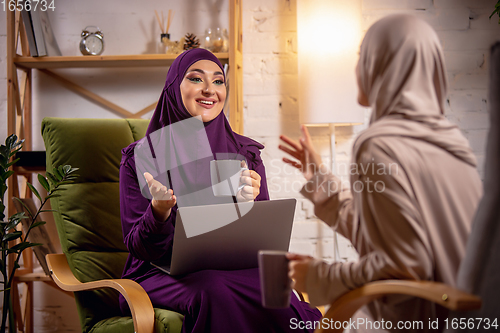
[{"x": 203, "y": 90}]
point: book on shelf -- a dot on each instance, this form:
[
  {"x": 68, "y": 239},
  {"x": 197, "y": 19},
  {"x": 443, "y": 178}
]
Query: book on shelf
[
  {"x": 28, "y": 27},
  {"x": 41, "y": 39},
  {"x": 38, "y": 32},
  {"x": 48, "y": 34}
]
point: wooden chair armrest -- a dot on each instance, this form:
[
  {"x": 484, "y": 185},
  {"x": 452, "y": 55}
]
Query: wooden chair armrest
[
  {"x": 345, "y": 306},
  {"x": 137, "y": 299}
]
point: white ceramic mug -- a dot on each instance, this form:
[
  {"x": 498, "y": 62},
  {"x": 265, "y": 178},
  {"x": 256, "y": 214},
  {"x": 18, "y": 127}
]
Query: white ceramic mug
[{"x": 225, "y": 176}]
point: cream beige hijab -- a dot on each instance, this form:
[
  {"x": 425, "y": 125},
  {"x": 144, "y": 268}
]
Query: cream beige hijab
[{"x": 401, "y": 70}]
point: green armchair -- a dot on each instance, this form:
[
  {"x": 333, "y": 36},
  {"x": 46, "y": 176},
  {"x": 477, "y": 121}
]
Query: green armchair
[{"x": 89, "y": 227}]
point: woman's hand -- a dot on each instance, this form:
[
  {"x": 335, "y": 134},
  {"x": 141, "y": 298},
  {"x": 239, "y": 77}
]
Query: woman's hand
[
  {"x": 251, "y": 181},
  {"x": 309, "y": 161},
  {"x": 298, "y": 267},
  {"x": 163, "y": 199}
]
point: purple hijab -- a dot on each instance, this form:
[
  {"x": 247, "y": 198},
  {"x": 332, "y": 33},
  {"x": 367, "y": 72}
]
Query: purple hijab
[
  {"x": 170, "y": 108},
  {"x": 224, "y": 143}
]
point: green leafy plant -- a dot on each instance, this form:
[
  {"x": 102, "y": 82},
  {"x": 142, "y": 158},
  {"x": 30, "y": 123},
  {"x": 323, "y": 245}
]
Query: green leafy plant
[
  {"x": 496, "y": 11},
  {"x": 12, "y": 241}
]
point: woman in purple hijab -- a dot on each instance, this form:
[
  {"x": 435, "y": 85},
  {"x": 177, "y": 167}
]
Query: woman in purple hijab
[{"x": 211, "y": 300}]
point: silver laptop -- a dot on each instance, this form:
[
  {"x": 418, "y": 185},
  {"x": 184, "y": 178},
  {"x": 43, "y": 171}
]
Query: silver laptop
[{"x": 262, "y": 225}]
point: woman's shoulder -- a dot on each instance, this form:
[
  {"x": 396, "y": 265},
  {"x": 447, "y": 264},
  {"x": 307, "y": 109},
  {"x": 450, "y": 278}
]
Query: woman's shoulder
[
  {"x": 251, "y": 146},
  {"x": 129, "y": 150},
  {"x": 246, "y": 141},
  {"x": 128, "y": 153}
]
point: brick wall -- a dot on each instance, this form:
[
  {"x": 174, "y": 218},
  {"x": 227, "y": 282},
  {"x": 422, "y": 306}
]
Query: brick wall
[{"x": 270, "y": 88}]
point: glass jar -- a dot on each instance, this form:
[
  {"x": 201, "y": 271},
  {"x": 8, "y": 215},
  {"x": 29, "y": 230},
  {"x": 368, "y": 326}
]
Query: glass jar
[
  {"x": 164, "y": 44},
  {"x": 225, "y": 41},
  {"x": 218, "y": 41},
  {"x": 208, "y": 40}
]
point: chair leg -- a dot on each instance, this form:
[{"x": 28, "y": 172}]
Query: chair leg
[
  {"x": 18, "y": 313},
  {"x": 29, "y": 308},
  {"x": 23, "y": 313}
]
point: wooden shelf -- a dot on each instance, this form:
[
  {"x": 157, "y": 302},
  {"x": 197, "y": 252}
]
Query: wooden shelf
[
  {"x": 20, "y": 69},
  {"x": 140, "y": 60}
]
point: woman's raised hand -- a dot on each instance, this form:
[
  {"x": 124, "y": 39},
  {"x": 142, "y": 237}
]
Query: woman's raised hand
[
  {"x": 309, "y": 161},
  {"x": 163, "y": 199},
  {"x": 250, "y": 180}
]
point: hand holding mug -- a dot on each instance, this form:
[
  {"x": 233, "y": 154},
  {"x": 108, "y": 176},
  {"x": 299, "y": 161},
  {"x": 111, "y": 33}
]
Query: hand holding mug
[
  {"x": 232, "y": 178},
  {"x": 249, "y": 184},
  {"x": 298, "y": 267},
  {"x": 274, "y": 281}
]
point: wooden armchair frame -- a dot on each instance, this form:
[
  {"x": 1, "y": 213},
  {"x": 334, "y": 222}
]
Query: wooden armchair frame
[
  {"x": 137, "y": 299},
  {"x": 340, "y": 310},
  {"x": 451, "y": 298}
]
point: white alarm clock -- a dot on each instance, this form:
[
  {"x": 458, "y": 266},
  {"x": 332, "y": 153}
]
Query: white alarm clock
[{"x": 92, "y": 42}]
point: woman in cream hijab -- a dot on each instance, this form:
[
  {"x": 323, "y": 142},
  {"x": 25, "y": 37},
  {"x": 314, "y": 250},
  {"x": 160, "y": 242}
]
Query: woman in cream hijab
[{"x": 414, "y": 221}]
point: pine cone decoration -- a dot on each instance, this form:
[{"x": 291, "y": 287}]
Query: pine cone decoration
[{"x": 191, "y": 42}]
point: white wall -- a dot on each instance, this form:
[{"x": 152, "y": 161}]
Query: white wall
[{"x": 270, "y": 85}]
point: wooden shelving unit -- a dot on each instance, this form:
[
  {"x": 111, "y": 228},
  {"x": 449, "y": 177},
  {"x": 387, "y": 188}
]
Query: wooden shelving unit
[
  {"x": 19, "y": 103},
  {"x": 20, "y": 67},
  {"x": 19, "y": 86},
  {"x": 46, "y": 64},
  {"x": 107, "y": 61}
]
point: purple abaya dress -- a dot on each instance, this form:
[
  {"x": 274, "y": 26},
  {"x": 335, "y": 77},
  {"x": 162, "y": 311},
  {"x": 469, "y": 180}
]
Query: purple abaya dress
[{"x": 211, "y": 300}]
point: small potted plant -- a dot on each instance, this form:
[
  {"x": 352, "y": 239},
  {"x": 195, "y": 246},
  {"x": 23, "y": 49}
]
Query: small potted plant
[
  {"x": 496, "y": 11},
  {"x": 13, "y": 241}
]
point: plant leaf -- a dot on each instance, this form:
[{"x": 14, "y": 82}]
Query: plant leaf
[
  {"x": 37, "y": 224},
  {"x": 35, "y": 192},
  {"x": 13, "y": 152},
  {"x": 18, "y": 216},
  {"x": 496, "y": 11},
  {"x": 15, "y": 219},
  {"x": 24, "y": 206},
  {"x": 57, "y": 189},
  {"x": 22, "y": 246},
  {"x": 51, "y": 178},
  {"x": 12, "y": 163},
  {"x": 4, "y": 150},
  {"x": 64, "y": 182},
  {"x": 11, "y": 225},
  {"x": 43, "y": 182},
  {"x": 11, "y": 236},
  {"x": 57, "y": 174},
  {"x": 10, "y": 141},
  {"x": 7, "y": 175}
]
